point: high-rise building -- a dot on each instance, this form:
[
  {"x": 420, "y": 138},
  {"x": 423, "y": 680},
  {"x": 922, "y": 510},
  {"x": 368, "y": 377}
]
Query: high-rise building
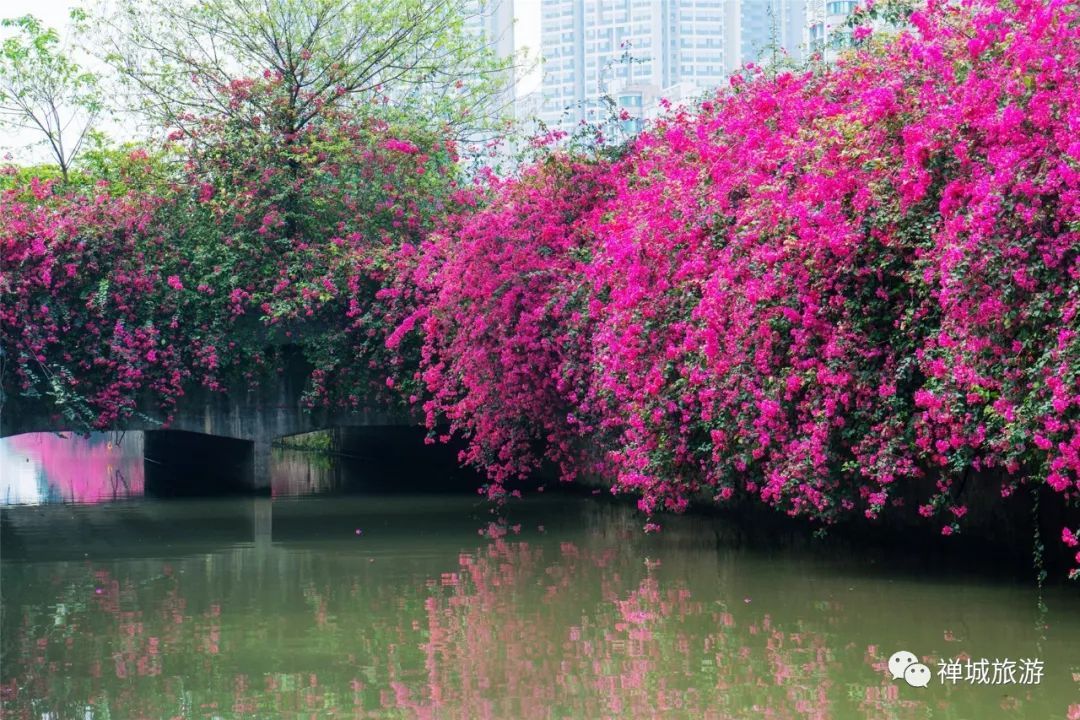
[
  {"x": 638, "y": 51},
  {"x": 824, "y": 18},
  {"x": 492, "y": 23},
  {"x": 761, "y": 31}
]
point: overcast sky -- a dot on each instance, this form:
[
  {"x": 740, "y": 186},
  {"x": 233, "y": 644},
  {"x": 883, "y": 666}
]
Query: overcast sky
[
  {"x": 55, "y": 13},
  {"x": 52, "y": 12}
]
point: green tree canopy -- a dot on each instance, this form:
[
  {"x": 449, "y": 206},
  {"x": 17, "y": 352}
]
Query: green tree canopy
[{"x": 44, "y": 91}]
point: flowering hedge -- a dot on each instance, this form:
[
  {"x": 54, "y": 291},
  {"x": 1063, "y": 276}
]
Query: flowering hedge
[
  {"x": 80, "y": 282},
  {"x": 813, "y": 290},
  {"x": 121, "y": 294},
  {"x": 500, "y": 297}
]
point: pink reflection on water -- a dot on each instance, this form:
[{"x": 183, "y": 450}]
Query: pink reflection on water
[
  {"x": 511, "y": 630},
  {"x": 631, "y": 649},
  {"x": 44, "y": 467}
]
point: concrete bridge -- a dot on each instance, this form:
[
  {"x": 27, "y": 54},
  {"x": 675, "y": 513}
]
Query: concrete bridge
[{"x": 222, "y": 438}]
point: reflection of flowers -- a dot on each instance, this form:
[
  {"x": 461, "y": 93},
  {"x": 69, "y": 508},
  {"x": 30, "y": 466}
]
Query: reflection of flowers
[
  {"x": 83, "y": 469},
  {"x": 507, "y": 629}
]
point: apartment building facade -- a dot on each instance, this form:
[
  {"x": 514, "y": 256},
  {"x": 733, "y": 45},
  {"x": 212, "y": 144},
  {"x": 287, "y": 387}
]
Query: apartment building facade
[{"x": 638, "y": 51}]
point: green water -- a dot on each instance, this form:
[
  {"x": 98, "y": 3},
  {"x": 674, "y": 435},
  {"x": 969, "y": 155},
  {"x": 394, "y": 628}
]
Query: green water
[{"x": 403, "y": 606}]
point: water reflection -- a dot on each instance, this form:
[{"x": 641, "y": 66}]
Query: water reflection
[
  {"x": 47, "y": 467},
  {"x": 293, "y": 473},
  {"x": 43, "y": 468},
  {"x": 396, "y": 607}
]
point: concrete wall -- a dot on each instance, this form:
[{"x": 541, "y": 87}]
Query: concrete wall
[{"x": 236, "y": 427}]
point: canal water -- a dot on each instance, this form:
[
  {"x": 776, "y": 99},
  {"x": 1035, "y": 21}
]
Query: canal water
[{"x": 333, "y": 599}]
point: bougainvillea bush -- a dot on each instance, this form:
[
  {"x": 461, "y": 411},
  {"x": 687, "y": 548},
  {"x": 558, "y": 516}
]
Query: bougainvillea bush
[
  {"x": 83, "y": 314},
  {"x": 813, "y": 290},
  {"x": 501, "y": 300},
  {"x": 121, "y": 295},
  {"x": 288, "y": 228}
]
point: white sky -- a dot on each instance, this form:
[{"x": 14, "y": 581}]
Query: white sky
[
  {"x": 54, "y": 13},
  {"x": 527, "y": 35}
]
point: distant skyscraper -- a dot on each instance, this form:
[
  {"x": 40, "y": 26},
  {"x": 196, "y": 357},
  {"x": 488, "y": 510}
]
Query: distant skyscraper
[
  {"x": 762, "y": 30},
  {"x": 824, "y": 19},
  {"x": 492, "y": 22},
  {"x": 637, "y": 51}
]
